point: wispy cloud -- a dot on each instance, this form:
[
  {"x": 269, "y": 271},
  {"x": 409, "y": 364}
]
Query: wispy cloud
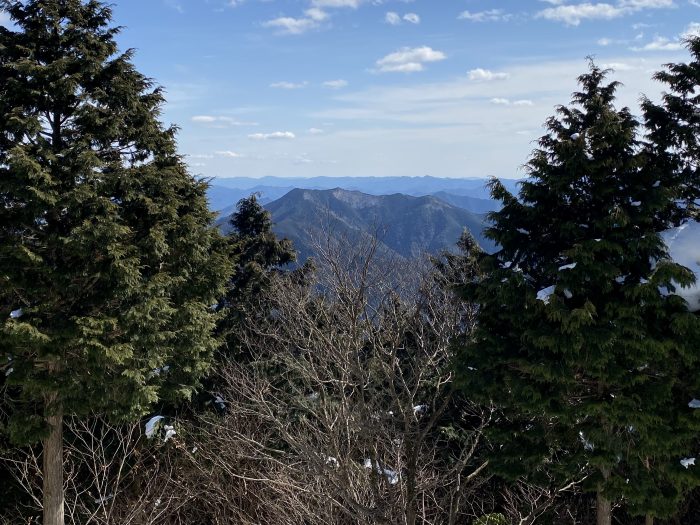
[
  {"x": 395, "y": 19},
  {"x": 491, "y": 15},
  {"x": 480, "y": 74},
  {"x": 574, "y": 14},
  {"x": 275, "y": 135},
  {"x": 392, "y": 18},
  {"x": 220, "y": 121},
  {"x": 660, "y": 43},
  {"x": 289, "y": 85},
  {"x": 288, "y": 25},
  {"x": 335, "y": 84},
  {"x": 316, "y": 131},
  {"x": 229, "y": 154},
  {"x": 499, "y": 101},
  {"x": 172, "y": 4},
  {"x": 354, "y": 4},
  {"x": 409, "y": 60}
]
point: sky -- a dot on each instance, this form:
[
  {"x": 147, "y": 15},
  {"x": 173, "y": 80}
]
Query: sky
[{"x": 448, "y": 88}]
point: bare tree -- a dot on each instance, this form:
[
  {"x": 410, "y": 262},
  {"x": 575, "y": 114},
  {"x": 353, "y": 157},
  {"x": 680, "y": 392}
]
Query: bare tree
[
  {"x": 346, "y": 412},
  {"x": 113, "y": 476}
]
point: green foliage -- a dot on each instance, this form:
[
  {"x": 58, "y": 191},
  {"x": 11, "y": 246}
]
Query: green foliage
[
  {"x": 257, "y": 253},
  {"x": 673, "y": 133},
  {"x": 106, "y": 243},
  {"x": 492, "y": 519},
  {"x": 589, "y": 362}
]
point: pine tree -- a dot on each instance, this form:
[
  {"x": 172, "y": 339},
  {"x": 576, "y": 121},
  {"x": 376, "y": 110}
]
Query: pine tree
[
  {"x": 577, "y": 345},
  {"x": 108, "y": 262}
]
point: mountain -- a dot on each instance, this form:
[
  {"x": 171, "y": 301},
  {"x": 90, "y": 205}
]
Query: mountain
[
  {"x": 408, "y": 226},
  {"x": 472, "y": 204},
  {"x": 470, "y": 194},
  {"x": 417, "y": 186},
  {"x": 223, "y": 199}
]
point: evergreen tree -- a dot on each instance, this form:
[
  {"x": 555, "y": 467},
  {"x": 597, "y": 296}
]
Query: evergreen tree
[
  {"x": 673, "y": 134},
  {"x": 108, "y": 262},
  {"x": 578, "y": 346},
  {"x": 257, "y": 252}
]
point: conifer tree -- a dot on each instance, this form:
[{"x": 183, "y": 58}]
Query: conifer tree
[
  {"x": 257, "y": 252},
  {"x": 108, "y": 262},
  {"x": 578, "y": 346},
  {"x": 673, "y": 134}
]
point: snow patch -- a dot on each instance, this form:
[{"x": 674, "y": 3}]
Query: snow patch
[
  {"x": 220, "y": 402},
  {"x": 688, "y": 462},
  {"x": 419, "y": 410},
  {"x": 683, "y": 245},
  {"x": 169, "y": 432},
  {"x": 544, "y": 294},
  {"x": 151, "y": 426},
  {"x": 391, "y": 475}
]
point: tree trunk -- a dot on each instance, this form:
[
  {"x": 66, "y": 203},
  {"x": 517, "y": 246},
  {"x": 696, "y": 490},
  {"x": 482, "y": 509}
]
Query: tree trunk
[
  {"x": 649, "y": 520},
  {"x": 53, "y": 466},
  {"x": 604, "y": 510}
]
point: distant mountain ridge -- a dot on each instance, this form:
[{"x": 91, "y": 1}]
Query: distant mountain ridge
[
  {"x": 428, "y": 185},
  {"x": 407, "y": 226}
]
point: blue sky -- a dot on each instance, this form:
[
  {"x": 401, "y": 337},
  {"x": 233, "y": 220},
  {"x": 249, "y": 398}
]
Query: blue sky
[{"x": 453, "y": 88}]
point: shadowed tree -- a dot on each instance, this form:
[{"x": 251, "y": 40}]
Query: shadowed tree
[{"x": 578, "y": 343}]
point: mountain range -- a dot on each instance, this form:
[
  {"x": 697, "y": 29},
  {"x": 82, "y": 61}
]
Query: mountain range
[{"x": 406, "y": 226}]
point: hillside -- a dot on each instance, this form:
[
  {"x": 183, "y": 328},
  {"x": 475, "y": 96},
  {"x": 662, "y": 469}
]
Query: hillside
[{"x": 408, "y": 226}]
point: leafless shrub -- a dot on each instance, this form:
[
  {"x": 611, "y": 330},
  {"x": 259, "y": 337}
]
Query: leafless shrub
[{"x": 345, "y": 411}]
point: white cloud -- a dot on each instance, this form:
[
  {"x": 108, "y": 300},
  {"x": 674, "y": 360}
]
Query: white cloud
[
  {"x": 288, "y": 85},
  {"x": 409, "y": 60},
  {"x": 574, "y": 14},
  {"x": 276, "y": 135},
  {"x": 646, "y": 4},
  {"x": 219, "y": 121},
  {"x": 492, "y": 15},
  {"x": 296, "y": 26},
  {"x": 618, "y": 66},
  {"x": 392, "y": 18},
  {"x": 291, "y": 26},
  {"x": 316, "y": 131},
  {"x": 354, "y": 4},
  {"x": 480, "y": 74},
  {"x": 335, "y": 84},
  {"x": 316, "y": 14},
  {"x": 660, "y": 43},
  {"x": 501, "y": 101},
  {"x": 229, "y": 154},
  {"x": 693, "y": 30}
]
